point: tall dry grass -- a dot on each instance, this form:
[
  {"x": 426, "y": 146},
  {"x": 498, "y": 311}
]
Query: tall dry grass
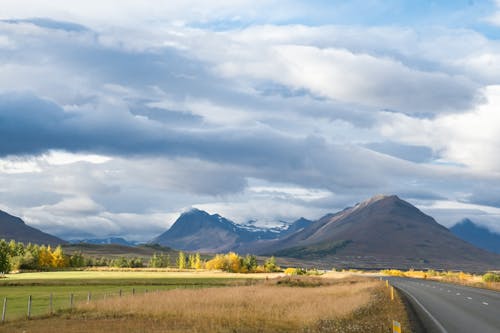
[{"x": 272, "y": 306}]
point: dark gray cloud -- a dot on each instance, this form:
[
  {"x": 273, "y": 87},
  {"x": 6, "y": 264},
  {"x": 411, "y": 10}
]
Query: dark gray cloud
[{"x": 260, "y": 149}]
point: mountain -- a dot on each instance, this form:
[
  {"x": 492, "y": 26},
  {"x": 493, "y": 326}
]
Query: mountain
[
  {"x": 296, "y": 226},
  {"x": 477, "y": 235},
  {"x": 12, "y": 227},
  {"x": 383, "y": 231},
  {"x": 102, "y": 241},
  {"x": 196, "y": 230}
]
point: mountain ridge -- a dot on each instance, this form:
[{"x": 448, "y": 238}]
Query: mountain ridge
[
  {"x": 13, "y": 227},
  {"x": 477, "y": 235},
  {"x": 380, "y": 232},
  {"x": 197, "y": 230}
]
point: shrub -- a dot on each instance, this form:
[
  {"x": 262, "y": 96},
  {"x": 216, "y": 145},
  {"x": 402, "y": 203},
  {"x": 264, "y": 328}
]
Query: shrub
[{"x": 491, "y": 277}]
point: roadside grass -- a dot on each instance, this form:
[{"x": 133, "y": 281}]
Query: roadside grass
[
  {"x": 460, "y": 278},
  {"x": 286, "y": 304}
]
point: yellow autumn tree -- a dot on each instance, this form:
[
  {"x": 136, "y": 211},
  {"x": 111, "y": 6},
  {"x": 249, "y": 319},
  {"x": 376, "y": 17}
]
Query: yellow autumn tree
[
  {"x": 218, "y": 262},
  {"x": 197, "y": 261},
  {"x": 58, "y": 259},
  {"x": 233, "y": 262},
  {"x": 45, "y": 258}
]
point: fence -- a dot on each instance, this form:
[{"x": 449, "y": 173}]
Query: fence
[{"x": 39, "y": 304}]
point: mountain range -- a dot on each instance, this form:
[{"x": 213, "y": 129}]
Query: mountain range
[
  {"x": 383, "y": 231},
  {"x": 196, "y": 230},
  {"x": 477, "y": 235},
  {"x": 102, "y": 241},
  {"x": 12, "y": 227}
]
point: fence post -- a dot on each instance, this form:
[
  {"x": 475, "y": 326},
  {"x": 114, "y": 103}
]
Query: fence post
[
  {"x": 133, "y": 291},
  {"x": 29, "y": 306},
  {"x": 4, "y": 308},
  {"x": 120, "y": 293},
  {"x": 396, "y": 327},
  {"x": 88, "y": 297},
  {"x": 51, "y": 309},
  {"x": 71, "y": 301}
]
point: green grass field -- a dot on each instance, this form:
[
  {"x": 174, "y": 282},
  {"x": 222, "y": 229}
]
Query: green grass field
[{"x": 100, "y": 284}]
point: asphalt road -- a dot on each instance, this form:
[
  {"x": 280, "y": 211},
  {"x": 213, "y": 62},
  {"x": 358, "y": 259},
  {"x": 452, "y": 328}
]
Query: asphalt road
[{"x": 444, "y": 307}]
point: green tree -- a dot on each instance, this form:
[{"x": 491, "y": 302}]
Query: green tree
[
  {"x": 270, "y": 265},
  {"x": 250, "y": 263},
  {"x": 77, "y": 259},
  {"x": 4, "y": 257},
  {"x": 159, "y": 260},
  {"x": 121, "y": 262}
]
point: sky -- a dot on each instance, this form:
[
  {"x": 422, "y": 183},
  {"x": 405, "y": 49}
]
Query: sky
[{"x": 118, "y": 115}]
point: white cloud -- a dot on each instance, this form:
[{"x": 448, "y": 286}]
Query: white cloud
[
  {"x": 62, "y": 157},
  {"x": 130, "y": 12},
  {"x": 495, "y": 17},
  {"x": 470, "y": 138}
]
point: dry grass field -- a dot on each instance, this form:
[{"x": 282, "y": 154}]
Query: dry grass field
[{"x": 287, "y": 304}]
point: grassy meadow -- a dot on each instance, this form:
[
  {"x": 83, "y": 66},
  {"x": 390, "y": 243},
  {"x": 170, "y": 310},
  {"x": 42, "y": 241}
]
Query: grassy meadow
[
  {"x": 100, "y": 284},
  {"x": 179, "y": 302}
]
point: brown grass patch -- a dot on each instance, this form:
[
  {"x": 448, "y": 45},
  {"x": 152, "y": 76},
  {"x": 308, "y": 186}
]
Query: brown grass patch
[{"x": 271, "y": 306}]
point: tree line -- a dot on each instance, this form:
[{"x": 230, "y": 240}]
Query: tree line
[{"x": 16, "y": 256}]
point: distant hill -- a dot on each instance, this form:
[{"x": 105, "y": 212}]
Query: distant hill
[
  {"x": 12, "y": 227},
  {"x": 477, "y": 235},
  {"x": 108, "y": 240},
  {"x": 117, "y": 250},
  {"x": 383, "y": 231}
]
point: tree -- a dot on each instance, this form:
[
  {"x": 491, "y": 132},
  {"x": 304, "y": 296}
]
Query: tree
[
  {"x": 190, "y": 261},
  {"x": 270, "y": 265},
  {"x": 250, "y": 263},
  {"x": 58, "y": 259},
  {"x": 4, "y": 257},
  {"x": 218, "y": 262},
  {"x": 181, "y": 260},
  {"x": 233, "y": 262},
  {"x": 121, "y": 262},
  {"x": 77, "y": 260},
  {"x": 45, "y": 258},
  {"x": 197, "y": 261},
  {"x": 156, "y": 261}
]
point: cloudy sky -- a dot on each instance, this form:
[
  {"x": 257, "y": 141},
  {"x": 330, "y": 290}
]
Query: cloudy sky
[{"x": 117, "y": 115}]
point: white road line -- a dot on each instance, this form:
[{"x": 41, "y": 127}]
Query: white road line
[
  {"x": 469, "y": 297},
  {"x": 485, "y": 303},
  {"x": 449, "y": 291},
  {"x": 438, "y": 324},
  {"x": 458, "y": 294}
]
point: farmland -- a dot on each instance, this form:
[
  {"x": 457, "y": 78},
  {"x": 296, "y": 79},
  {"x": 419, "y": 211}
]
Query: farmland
[
  {"x": 182, "y": 301},
  {"x": 100, "y": 284}
]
